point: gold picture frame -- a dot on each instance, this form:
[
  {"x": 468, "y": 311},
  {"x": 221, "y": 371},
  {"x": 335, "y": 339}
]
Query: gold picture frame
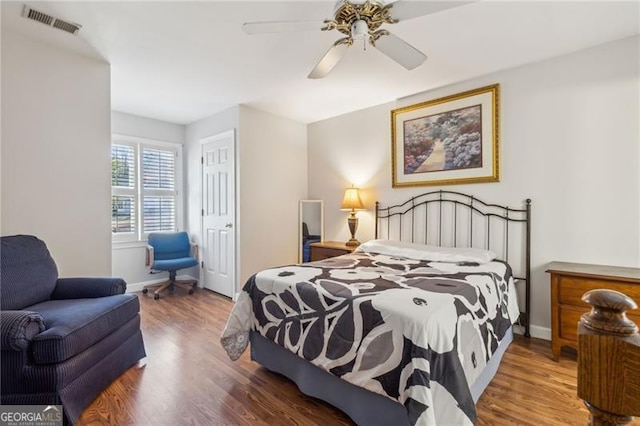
[{"x": 447, "y": 141}]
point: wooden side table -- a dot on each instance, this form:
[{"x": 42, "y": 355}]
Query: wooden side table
[
  {"x": 327, "y": 249},
  {"x": 569, "y": 281}
]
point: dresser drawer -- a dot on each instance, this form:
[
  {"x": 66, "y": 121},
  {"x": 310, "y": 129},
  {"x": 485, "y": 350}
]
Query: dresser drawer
[
  {"x": 571, "y": 289},
  {"x": 570, "y": 316},
  {"x": 321, "y": 253}
]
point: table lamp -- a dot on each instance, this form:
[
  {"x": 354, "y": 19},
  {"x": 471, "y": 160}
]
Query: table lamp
[{"x": 352, "y": 201}]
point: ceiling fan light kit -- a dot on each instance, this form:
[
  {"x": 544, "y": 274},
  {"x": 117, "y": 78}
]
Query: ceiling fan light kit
[
  {"x": 359, "y": 29},
  {"x": 360, "y": 20}
]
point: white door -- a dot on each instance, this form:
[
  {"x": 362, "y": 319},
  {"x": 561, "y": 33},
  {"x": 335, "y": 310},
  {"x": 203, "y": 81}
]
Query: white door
[{"x": 218, "y": 213}]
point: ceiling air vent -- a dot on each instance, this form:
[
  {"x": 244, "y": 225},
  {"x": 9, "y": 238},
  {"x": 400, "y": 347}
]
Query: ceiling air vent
[{"x": 61, "y": 24}]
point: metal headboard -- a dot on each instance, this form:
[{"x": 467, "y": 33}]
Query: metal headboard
[{"x": 454, "y": 219}]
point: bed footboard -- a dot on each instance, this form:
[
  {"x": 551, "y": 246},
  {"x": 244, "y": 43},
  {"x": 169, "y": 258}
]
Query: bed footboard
[{"x": 609, "y": 359}]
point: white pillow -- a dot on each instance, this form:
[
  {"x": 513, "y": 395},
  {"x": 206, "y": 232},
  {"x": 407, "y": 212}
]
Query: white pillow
[{"x": 425, "y": 252}]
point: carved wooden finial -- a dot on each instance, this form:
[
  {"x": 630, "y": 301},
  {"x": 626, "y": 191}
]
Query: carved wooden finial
[
  {"x": 608, "y": 312},
  {"x": 609, "y": 359}
]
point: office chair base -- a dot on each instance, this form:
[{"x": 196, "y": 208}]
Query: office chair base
[{"x": 189, "y": 285}]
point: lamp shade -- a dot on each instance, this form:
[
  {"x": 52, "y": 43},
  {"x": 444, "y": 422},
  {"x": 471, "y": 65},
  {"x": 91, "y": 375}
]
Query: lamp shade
[{"x": 351, "y": 200}]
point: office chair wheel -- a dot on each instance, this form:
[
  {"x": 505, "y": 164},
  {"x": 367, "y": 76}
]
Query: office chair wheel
[
  {"x": 145, "y": 290},
  {"x": 156, "y": 296},
  {"x": 191, "y": 291}
]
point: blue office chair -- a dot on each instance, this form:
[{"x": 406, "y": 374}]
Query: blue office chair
[{"x": 170, "y": 251}]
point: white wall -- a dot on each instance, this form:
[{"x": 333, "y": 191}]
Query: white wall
[
  {"x": 55, "y": 152},
  {"x": 129, "y": 258},
  {"x": 569, "y": 141},
  {"x": 147, "y": 128},
  {"x": 271, "y": 176}
]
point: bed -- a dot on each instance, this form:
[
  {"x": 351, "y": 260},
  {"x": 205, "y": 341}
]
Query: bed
[{"x": 411, "y": 327}]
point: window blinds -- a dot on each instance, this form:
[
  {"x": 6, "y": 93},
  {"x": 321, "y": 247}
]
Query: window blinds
[
  {"x": 123, "y": 166},
  {"x": 148, "y": 196},
  {"x": 123, "y": 181},
  {"x": 123, "y": 214},
  {"x": 158, "y": 169},
  {"x": 159, "y": 184},
  {"x": 159, "y": 214}
]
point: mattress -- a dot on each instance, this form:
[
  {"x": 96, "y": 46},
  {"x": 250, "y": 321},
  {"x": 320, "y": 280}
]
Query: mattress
[{"x": 414, "y": 325}]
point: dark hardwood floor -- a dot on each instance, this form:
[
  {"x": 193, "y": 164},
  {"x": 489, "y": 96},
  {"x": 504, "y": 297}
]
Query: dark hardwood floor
[{"x": 187, "y": 379}]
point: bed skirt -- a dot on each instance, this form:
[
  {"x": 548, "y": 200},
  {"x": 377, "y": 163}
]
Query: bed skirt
[{"x": 362, "y": 406}]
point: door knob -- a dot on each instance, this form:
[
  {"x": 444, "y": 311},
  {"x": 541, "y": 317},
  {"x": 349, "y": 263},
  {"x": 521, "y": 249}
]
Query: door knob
[{"x": 229, "y": 225}]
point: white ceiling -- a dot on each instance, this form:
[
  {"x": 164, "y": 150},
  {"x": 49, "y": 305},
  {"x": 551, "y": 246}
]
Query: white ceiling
[{"x": 183, "y": 61}]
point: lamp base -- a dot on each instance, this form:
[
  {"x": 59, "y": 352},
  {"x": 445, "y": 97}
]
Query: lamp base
[
  {"x": 352, "y": 243},
  {"x": 352, "y": 221}
]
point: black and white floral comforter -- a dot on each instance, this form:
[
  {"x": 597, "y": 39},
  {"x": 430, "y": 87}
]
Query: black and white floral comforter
[{"x": 419, "y": 332}]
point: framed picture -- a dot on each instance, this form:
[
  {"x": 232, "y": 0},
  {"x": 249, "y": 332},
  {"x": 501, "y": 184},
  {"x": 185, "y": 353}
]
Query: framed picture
[{"x": 451, "y": 140}]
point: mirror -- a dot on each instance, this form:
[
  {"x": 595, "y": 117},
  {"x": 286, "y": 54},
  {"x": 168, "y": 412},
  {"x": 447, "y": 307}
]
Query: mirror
[{"x": 310, "y": 227}]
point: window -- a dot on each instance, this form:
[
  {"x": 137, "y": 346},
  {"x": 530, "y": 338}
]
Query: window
[
  {"x": 123, "y": 192},
  {"x": 144, "y": 188}
]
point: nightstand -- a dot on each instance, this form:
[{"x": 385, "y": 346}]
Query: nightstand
[
  {"x": 569, "y": 281},
  {"x": 327, "y": 249}
]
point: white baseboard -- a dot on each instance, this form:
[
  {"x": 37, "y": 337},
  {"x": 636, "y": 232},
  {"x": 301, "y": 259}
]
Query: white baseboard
[
  {"x": 540, "y": 332},
  {"x": 132, "y": 288},
  {"x": 536, "y": 331}
]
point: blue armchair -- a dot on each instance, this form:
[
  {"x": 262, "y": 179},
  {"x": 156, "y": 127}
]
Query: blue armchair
[
  {"x": 171, "y": 251},
  {"x": 63, "y": 339}
]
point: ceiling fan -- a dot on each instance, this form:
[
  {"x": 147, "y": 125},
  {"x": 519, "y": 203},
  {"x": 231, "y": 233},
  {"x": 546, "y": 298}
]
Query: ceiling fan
[{"x": 362, "y": 20}]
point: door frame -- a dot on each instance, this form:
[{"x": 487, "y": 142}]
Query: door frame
[{"x": 203, "y": 141}]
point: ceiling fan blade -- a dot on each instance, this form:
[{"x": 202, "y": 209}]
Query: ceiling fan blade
[
  {"x": 269, "y": 27},
  {"x": 330, "y": 59},
  {"x": 403, "y": 10},
  {"x": 399, "y": 50}
]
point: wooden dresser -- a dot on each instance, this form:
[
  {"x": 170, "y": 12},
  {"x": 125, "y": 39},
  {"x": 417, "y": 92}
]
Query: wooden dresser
[
  {"x": 327, "y": 249},
  {"x": 569, "y": 281}
]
